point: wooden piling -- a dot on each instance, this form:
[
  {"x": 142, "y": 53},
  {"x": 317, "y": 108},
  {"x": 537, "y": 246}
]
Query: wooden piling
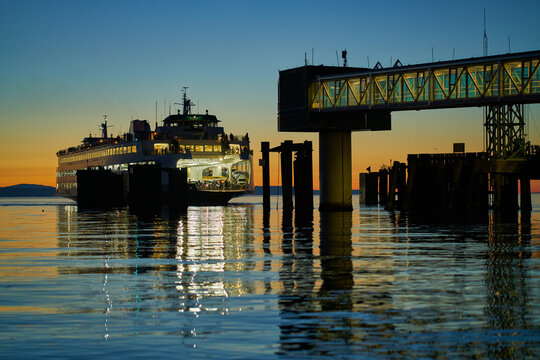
[
  {"x": 383, "y": 187},
  {"x": 372, "y": 188},
  {"x": 265, "y": 162},
  {"x": 362, "y": 181},
  {"x": 408, "y": 195},
  {"x": 525, "y": 194},
  {"x": 396, "y": 186},
  {"x": 308, "y": 173},
  {"x": 303, "y": 177},
  {"x": 286, "y": 174},
  {"x": 506, "y": 194}
]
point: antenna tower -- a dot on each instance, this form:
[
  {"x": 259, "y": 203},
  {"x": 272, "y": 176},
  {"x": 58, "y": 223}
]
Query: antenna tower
[
  {"x": 485, "y": 36},
  {"x": 104, "y": 127}
]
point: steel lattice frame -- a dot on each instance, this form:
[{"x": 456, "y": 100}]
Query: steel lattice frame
[
  {"x": 504, "y": 129},
  {"x": 511, "y": 78}
]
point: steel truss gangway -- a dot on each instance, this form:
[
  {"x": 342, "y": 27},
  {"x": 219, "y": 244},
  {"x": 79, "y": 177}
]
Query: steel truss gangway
[{"x": 509, "y": 79}]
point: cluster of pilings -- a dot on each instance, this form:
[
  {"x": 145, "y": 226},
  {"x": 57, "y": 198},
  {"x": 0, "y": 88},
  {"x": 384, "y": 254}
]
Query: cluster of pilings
[
  {"x": 303, "y": 175},
  {"x": 142, "y": 186},
  {"x": 454, "y": 185},
  {"x": 385, "y": 187}
]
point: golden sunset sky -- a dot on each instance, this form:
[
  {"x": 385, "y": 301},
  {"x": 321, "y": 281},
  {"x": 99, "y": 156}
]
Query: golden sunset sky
[{"x": 64, "y": 64}]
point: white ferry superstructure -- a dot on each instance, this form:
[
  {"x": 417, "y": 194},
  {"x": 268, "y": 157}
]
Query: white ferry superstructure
[{"x": 219, "y": 166}]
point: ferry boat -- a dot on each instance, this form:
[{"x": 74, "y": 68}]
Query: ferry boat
[{"x": 219, "y": 165}]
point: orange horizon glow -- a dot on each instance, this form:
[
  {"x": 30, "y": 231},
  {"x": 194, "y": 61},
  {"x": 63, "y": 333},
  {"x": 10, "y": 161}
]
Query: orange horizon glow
[
  {"x": 35, "y": 161},
  {"x": 33, "y": 167},
  {"x": 46, "y": 175}
]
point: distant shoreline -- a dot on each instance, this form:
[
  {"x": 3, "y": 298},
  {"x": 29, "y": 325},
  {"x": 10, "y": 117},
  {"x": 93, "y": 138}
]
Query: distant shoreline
[{"x": 27, "y": 190}]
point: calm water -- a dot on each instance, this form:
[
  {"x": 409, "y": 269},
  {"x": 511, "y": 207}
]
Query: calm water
[{"x": 230, "y": 283}]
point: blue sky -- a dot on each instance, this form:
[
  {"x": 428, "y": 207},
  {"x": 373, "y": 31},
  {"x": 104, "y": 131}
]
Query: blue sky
[{"x": 63, "y": 64}]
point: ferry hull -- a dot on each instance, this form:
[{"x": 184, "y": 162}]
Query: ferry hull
[
  {"x": 198, "y": 197},
  {"x": 195, "y": 197}
]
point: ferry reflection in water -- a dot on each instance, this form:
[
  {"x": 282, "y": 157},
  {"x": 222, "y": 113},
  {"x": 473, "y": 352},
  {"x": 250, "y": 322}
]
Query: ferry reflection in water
[
  {"x": 362, "y": 283},
  {"x": 190, "y": 247}
]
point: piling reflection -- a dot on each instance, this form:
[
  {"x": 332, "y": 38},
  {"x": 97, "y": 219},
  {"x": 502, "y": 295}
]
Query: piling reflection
[
  {"x": 508, "y": 284},
  {"x": 305, "y": 293},
  {"x": 336, "y": 262},
  {"x": 363, "y": 282}
]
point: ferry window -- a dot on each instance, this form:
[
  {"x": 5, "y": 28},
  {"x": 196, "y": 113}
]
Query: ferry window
[
  {"x": 235, "y": 148},
  {"x": 199, "y": 148},
  {"x": 133, "y": 148},
  {"x": 208, "y": 148},
  {"x": 217, "y": 148},
  {"x": 161, "y": 148}
]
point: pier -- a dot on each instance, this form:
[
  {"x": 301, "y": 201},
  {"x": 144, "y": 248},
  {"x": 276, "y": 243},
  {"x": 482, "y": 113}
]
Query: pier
[
  {"x": 303, "y": 175},
  {"x": 334, "y": 101}
]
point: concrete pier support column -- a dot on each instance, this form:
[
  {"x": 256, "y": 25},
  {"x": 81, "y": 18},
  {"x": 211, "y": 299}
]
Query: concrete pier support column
[{"x": 335, "y": 172}]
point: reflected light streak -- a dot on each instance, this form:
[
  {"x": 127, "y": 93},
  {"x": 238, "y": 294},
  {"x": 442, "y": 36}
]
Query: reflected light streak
[{"x": 200, "y": 253}]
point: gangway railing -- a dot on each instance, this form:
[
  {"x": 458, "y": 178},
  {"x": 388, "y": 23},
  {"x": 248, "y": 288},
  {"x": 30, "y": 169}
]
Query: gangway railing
[{"x": 509, "y": 78}]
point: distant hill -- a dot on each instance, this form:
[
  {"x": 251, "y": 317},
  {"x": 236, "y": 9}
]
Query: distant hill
[{"x": 27, "y": 190}]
